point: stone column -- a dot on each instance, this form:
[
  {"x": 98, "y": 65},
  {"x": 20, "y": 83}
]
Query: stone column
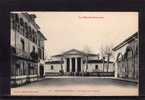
[{"x": 64, "y": 64}]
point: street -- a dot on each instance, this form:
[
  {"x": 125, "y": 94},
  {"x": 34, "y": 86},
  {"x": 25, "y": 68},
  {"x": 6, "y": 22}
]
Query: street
[{"x": 75, "y": 86}]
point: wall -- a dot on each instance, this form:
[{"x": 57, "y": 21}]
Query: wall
[
  {"x": 128, "y": 66},
  {"x": 91, "y": 67},
  {"x": 122, "y": 51},
  {"x": 20, "y": 73},
  {"x": 56, "y": 68}
]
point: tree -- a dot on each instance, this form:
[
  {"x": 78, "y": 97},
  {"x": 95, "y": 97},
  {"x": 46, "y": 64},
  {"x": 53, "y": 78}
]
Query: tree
[
  {"x": 87, "y": 51},
  {"x": 103, "y": 55},
  {"x": 106, "y": 52}
]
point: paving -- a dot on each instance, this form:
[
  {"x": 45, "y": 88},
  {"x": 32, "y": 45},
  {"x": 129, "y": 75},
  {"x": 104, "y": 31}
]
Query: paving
[{"x": 78, "y": 86}]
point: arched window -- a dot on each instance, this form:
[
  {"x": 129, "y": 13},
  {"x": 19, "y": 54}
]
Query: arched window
[
  {"x": 129, "y": 52},
  {"x": 129, "y": 62},
  {"x": 23, "y": 45},
  {"x": 119, "y": 57},
  {"x": 26, "y": 29},
  {"x": 21, "y": 22}
]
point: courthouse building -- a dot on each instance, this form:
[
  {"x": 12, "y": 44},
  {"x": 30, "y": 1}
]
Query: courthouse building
[
  {"x": 75, "y": 62},
  {"x": 127, "y": 58},
  {"x": 27, "y": 49}
]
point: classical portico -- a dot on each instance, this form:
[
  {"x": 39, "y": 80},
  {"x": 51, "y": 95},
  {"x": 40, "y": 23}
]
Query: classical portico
[
  {"x": 73, "y": 64},
  {"x": 73, "y": 61}
]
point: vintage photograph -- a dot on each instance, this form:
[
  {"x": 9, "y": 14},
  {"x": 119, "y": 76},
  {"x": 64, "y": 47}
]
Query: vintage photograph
[{"x": 74, "y": 53}]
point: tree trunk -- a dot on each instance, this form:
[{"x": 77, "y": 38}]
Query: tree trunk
[
  {"x": 87, "y": 64},
  {"x": 103, "y": 63},
  {"x": 108, "y": 58}
]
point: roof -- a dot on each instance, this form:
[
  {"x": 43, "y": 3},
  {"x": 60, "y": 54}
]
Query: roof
[
  {"x": 129, "y": 39},
  {"x": 73, "y": 50},
  {"x": 42, "y": 35},
  {"x": 30, "y": 17},
  {"x": 78, "y": 52}
]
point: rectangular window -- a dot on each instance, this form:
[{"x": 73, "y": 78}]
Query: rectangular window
[
  {"x": 24, "y": 68},
  {"x": 43, "y": 53},
  {"x": 52, "y": 67},
  {"x": 96, "y": 67},
  {"x": 39, "y": 50},
  {"x": 17, "y": 70}
]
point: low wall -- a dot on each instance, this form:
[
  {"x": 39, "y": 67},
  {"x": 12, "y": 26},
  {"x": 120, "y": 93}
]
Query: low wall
[
  {"x": 21, "y": 80},
  {"x": 53, "y": 74},
  {"x": 107, "y": 74}
]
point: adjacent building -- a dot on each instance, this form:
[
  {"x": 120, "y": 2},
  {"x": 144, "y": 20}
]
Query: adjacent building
[
  {"x": 27, "y": 49},
  {"x": 75, "y": 62},
  {"x": 127, "y": 58}
]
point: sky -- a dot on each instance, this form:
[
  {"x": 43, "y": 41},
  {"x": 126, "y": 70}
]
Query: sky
[{"x": 80, "y": 30}]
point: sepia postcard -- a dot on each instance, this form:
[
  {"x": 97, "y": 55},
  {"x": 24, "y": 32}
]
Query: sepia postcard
[{"x": 74, "y": 53}]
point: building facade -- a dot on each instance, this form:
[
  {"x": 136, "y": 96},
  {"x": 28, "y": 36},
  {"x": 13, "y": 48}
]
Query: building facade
[
  {"x": 26, "y": 44},
  {"x": 75, "y": 62},
  {"x": 127, "y": 58},
  {"x": 41, "y": 54}
]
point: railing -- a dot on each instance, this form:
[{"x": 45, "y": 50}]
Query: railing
[
  {"x": 21, "y": 53},
  {"x": 102, "y": 74}
]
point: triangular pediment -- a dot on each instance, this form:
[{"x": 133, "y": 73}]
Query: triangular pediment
[{"x": 73, "y": 52}]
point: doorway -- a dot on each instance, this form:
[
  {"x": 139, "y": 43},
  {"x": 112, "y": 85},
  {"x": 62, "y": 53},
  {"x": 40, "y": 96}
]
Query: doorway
[
  {"x": 78, "y": 64},
  {"x": 73, "y": 64},
  {"x": 41, "y": 70},
  {"x": 68, "y": 65}
]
